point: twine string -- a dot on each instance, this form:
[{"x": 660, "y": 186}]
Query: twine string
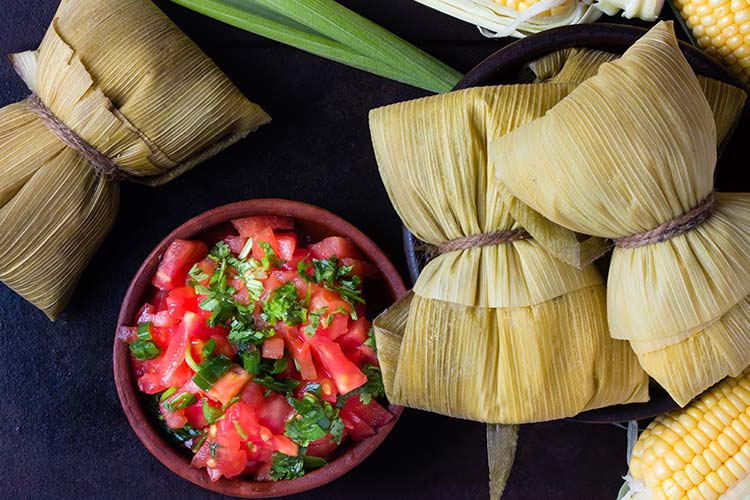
[
  {"x": 685, "y": 222},
  {"x": 483, "y": 240},
  {"x": 103, "y": 165}
]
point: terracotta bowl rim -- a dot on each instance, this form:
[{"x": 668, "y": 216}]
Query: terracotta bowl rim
[{"x": 143, "y": 425}]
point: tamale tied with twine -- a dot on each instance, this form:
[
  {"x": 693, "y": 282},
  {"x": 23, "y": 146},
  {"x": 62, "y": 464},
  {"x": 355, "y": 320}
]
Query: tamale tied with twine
[
  {"x": 496, "y": 330},
  {"x": 630, "y": 155},
  {"x": 118, "y": 94}
]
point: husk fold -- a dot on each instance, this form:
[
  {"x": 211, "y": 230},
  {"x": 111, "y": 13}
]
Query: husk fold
[
  {"x": 123, "y": 77},
  {"x": 629, "y": 149},
  {"x": 499, "y": 334}
]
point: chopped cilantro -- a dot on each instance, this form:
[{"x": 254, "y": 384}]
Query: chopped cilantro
[
  {"x": 286, "y": 467},
  {"x": 370, "y": 342},
  {"x": 208, "y": 349},
  {"x": 315, "y": 321},
  {"x": 333, "y": 276},
  {"x": 272, "y": 384},
  {"x": 210, "y": 371},
  {"x": 243, "y": 334},
  {"x": 270, "y": 258},
  {"x": 284, "y": 305},
  {"x": 373, "y": 388},
  {"x": 314, "y": 419}
]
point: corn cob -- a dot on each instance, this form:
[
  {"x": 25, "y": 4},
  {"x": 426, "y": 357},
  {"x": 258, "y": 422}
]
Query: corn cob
[
  {"x": 699, "y": 452},
  {"x": 721, "y": 28}
]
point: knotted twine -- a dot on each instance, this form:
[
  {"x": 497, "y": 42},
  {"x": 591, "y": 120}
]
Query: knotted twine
[
  {"x": 685, "y": 222},
  {"x": 101, "y": 163}
]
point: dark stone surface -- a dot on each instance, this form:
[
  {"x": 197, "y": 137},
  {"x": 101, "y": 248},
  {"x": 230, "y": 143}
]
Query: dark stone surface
[{"x": 64, "y": 434}]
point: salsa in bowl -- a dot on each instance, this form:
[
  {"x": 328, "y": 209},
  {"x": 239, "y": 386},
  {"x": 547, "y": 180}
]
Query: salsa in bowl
[{"x": 244, "y": 356}]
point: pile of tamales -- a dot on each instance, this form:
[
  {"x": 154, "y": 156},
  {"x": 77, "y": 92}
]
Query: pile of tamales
[
  {"x": 630, "y": 155},
  {"x": 119, "y": 76},
  {"x": 612, "y": 147},
  {"x": 500, "y": 333}
]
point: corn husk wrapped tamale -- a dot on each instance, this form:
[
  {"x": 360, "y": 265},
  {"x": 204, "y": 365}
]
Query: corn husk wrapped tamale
[
  {"x": 630, "y": 155},
  {"x": 501, "y": 333},
  {"x": 123, "y": 79}
]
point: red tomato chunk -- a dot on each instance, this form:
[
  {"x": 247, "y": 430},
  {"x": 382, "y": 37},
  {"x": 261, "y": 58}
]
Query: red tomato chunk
[{"x": 256, "y": 364}]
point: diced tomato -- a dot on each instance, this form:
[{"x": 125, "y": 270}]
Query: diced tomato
[
  {"x": 235, "y": 243},
  {"x": 159, "y": 299},
  {"x": 345, "y": 374},
  {"x": 273, "y": 348},
  {"x": 229, "y": 462},
  {"x": 299, "y": 349},
  {"x": 149, "y": 375},
  {"x": 373, "y": 414},
  {"x": 196, "y": 328},
  {"x": 297, "y": 256},
  {"x": 223, "y": 346},
  {"x": 194, "y": 414},
  {"x": 328, "y": 390},
  {"x": 287, "y": 245},
  {"x": 252, "y": 395},
  {"x": 241, "y": 294},
  {"x": 177, "y": 419},
  {"x": 267, "y": 236},
  {"x": 229, "y": 385},
  {"x": 176, "y": 262},
  {"x": 278, "y": 278},
  {"x": 200, "y": 460},
  {"x": 357, "y": 428},
  {"x": 249, "y": 227},
  {"x": 338, "y": 326},
  {"x": 332, "y": 301},
  {"x": 335, "y": 246},
  {"x": 357, "y": 333},
  {"x": 322, "y": 447},
  {"x": 164, "y": 319},
  {"x": 361, "y": 268},
  {"x": 285, "y": 445},
  {"x": 362, "y": 355},
  {"x": 173, "y": 368},
  {"x": 180, "y": 300},
  {"x": 275, "y": 413}
]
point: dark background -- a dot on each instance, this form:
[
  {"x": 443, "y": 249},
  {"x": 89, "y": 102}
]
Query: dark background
[{"x": 63, "y": 432}]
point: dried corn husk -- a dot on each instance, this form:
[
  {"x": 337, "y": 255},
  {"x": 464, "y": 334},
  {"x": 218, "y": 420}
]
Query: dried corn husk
[
  {"x": 629, "y": 149},
  {"x": 123, "y": 77},
  {"x": 503, "y": 333}
]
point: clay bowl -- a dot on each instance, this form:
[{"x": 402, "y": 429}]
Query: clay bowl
[
  {"x": 507, "y": 66},
  {"x": 312, "y": 224}
]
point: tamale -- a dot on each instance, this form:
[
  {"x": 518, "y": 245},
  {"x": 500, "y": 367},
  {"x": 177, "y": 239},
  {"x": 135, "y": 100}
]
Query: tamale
[
  {"x": 630, "y": 155},
  {"x": 500, "y": 333},
  {"x": 119, "y": 93}
]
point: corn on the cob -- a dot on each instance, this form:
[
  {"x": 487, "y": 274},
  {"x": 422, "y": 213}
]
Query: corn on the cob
[
  {"x": 699, "y": 452},
  {"x": 519, "y": 18},
  {"x": 721, "y": 28}
]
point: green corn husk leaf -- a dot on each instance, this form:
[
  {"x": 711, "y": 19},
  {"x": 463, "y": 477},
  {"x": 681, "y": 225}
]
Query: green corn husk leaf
[
  {"x": 123, "y": 77},
  {"x": 329, "y": 30},
  {"x": 645, "y": 124}
]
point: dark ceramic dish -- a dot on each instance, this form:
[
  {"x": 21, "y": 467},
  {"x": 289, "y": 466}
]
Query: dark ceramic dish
[
  {"x": 507, "y": 66},
  {"x": 311, "y": 224}
]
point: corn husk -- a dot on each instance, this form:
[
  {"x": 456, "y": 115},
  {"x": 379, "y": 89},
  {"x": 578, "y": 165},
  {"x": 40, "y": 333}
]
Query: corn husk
[
  {"x": 629, "y": 149},
  {"x": 500, "y": 334},
  {"x": 123, "y": 77}
]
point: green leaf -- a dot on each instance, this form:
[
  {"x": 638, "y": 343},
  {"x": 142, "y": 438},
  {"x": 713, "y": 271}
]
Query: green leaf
[
  {"x": 208, "y": 349},
  {"x": 251, "y": 362},
  {"x": 210, "y": 371},
  {"x": 285, "y": 467},
  {"x": 370, "y": 342},
  {"x": 144, "y": 350},
  {"x": 250, "y": 16},
  {"x": 243, "y": 334}
]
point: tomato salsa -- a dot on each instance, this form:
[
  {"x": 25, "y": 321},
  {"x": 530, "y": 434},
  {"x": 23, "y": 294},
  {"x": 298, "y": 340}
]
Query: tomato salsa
[{"x": 258, "y": 352}]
